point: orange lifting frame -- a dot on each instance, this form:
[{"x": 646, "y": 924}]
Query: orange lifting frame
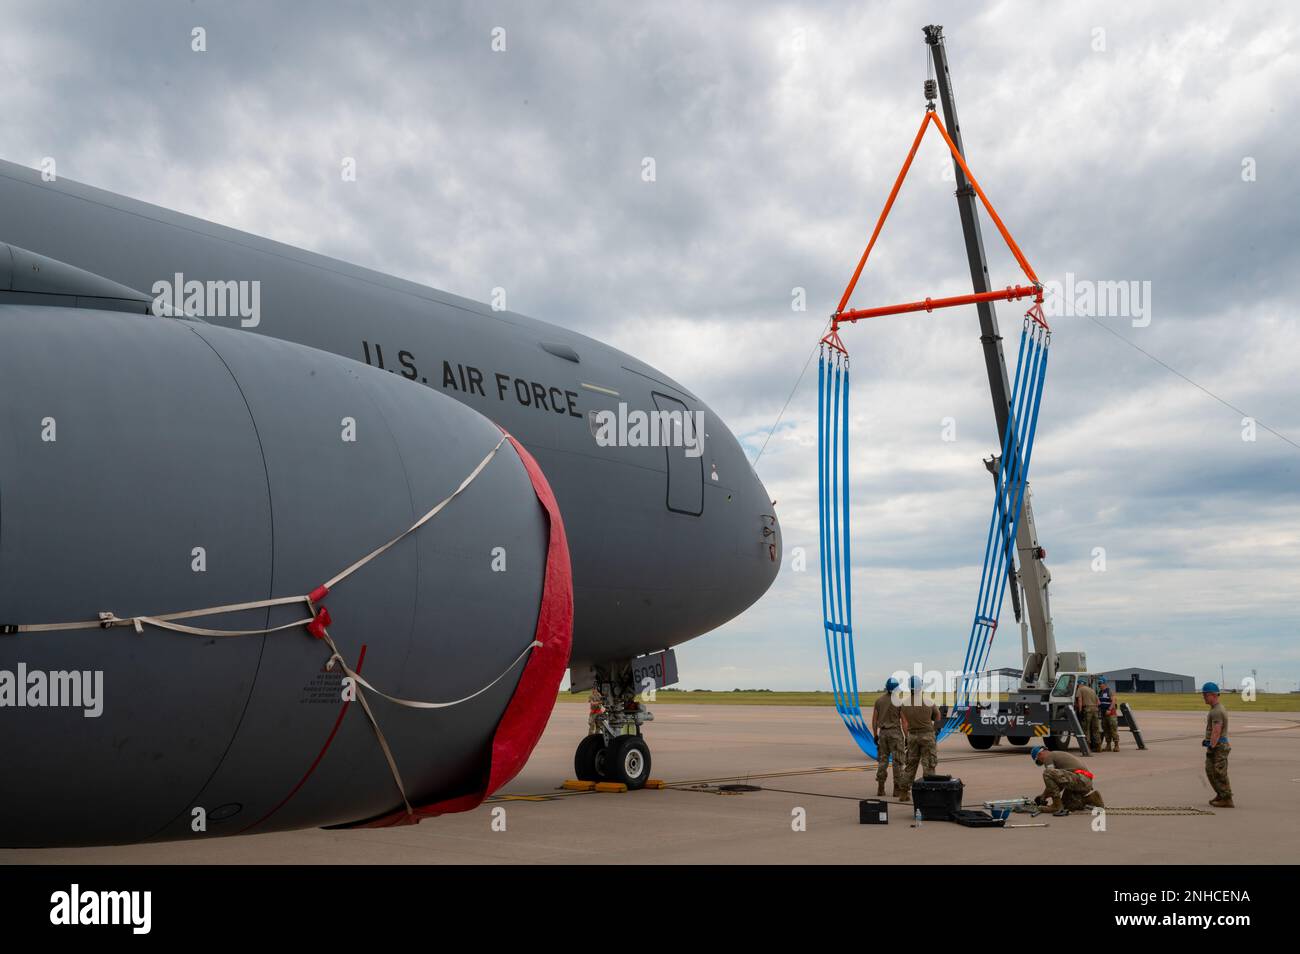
[{"x": 1010, "y": 293}]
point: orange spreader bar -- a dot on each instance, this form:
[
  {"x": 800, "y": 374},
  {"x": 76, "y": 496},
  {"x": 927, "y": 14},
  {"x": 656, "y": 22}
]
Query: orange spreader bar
[{"x": 929, "y": 304}]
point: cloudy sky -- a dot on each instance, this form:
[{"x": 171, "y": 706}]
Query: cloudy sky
[{"x": 1122, "y": 142}]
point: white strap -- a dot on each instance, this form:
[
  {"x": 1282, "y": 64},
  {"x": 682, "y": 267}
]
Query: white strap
[
  {"x": 330, "y": 583},
  {"x": 108, "y": 620}
]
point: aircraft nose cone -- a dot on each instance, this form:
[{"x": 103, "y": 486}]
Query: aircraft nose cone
[
  {"x": 756, "y": 536},
  {"x": 770, "y": 530}
]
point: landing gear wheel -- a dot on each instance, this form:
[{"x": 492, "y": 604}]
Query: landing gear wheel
[
  {"x": 590, "y": 759},
  {"x": 1057, "y": 741},
  {"x": 628, "y": 761},
  {"x": 981, "y": 742},
  {"x": 1017, "y": 740}
]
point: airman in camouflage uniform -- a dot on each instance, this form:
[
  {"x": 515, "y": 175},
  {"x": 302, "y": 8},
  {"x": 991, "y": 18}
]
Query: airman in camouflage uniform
[
  {"x": 596, "y": 710},
  {"x": 1086, "y": 701},
  {"x": 887, "y": 727},
  {"x": 1067, "y": 785},
  {"x": 1217, "y": 747},
  {"x": 1109, "y": 712},
  {"x": 920, "y": 721}
]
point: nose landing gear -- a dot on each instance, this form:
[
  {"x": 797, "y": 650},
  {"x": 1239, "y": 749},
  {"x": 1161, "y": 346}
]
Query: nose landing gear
[{"x": 614, "y": 749}]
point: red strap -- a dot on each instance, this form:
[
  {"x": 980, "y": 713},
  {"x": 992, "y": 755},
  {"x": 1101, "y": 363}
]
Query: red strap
[
  {"x": 1083, "y": 772},
  {"x": 320, "y": 622},
  {"x": 530, "y": 707}
]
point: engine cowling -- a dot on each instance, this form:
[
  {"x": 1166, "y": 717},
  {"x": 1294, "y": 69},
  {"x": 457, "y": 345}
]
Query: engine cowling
[{"x": 155, "y": 465}]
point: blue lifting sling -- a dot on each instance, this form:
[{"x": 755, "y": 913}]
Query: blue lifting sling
[{"x": 1010, "y": 480}]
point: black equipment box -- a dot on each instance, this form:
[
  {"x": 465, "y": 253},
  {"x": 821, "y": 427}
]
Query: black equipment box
[
  {"x": 873, "y": 811},
  {"x": 977, "y": 819},
  {"x": 937, "y": 797}
]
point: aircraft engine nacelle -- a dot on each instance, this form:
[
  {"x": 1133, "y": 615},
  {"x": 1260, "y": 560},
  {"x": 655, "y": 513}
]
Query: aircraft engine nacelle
[{"x": 155, "y": 465}]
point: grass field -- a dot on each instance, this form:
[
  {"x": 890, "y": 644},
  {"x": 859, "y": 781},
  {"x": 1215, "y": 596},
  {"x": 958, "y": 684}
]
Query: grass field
[{"x": 1139, "y": 701}]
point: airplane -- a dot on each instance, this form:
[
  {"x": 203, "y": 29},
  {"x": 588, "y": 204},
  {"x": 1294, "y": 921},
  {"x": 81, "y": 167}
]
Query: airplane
[{"x": 126, "y": 317}]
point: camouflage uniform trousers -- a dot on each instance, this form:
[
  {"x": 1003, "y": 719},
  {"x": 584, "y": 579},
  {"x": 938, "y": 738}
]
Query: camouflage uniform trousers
[
  {"x": 1092, "y": 729},
  {"x": 890, "y": 742},
  {"x": 1216, "y": 769},
  {"x": 921, "y": 751},
  {"x": 1110, "y": 730},
  {"x": 1070, "y": 787}
]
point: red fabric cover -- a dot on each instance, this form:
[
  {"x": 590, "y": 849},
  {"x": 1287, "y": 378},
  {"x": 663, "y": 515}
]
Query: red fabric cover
[{"x": 530, "y": 707}]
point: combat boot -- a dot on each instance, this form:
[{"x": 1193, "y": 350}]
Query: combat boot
[
  {"x": 1057, "y": 807},
  {"x": 1223, "y": 803},
  {"x": 1094, "y": 799},
  {"x": 880, "y": 788},
  {"x": 905, "y": 796}
]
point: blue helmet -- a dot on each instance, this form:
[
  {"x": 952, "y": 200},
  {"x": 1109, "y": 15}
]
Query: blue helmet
[
  {"x": 1033, "y": 753},
  {"x": 891, "y": 684},
  {"x": 1210, "y": 687},
  {"x": 1101, "y": 679},
  {"x": 916, "y": 682}
]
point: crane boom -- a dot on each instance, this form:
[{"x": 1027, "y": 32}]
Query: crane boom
[{"x": 1030, "y": 575}]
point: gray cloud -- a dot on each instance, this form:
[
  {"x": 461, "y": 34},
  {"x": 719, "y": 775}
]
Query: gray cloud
[{"x": 776, "y": 130}]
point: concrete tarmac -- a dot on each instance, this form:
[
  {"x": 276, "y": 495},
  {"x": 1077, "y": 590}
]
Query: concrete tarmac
[{"x": 803, "y": 759}]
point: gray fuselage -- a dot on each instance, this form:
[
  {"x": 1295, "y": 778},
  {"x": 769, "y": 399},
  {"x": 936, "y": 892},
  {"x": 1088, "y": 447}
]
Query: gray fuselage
[{"x": 665, "y": 545}]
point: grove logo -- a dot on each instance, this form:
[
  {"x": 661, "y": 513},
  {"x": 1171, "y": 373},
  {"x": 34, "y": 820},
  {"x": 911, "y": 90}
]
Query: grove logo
[{"x": 997, "y": 718}]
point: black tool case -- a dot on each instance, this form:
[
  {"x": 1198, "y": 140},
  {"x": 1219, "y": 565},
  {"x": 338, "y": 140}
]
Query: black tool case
[
  {"x": 873, "y": 811},
  {"x": 977, "y": 819},
  {"x": 937, "y": 796}
]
